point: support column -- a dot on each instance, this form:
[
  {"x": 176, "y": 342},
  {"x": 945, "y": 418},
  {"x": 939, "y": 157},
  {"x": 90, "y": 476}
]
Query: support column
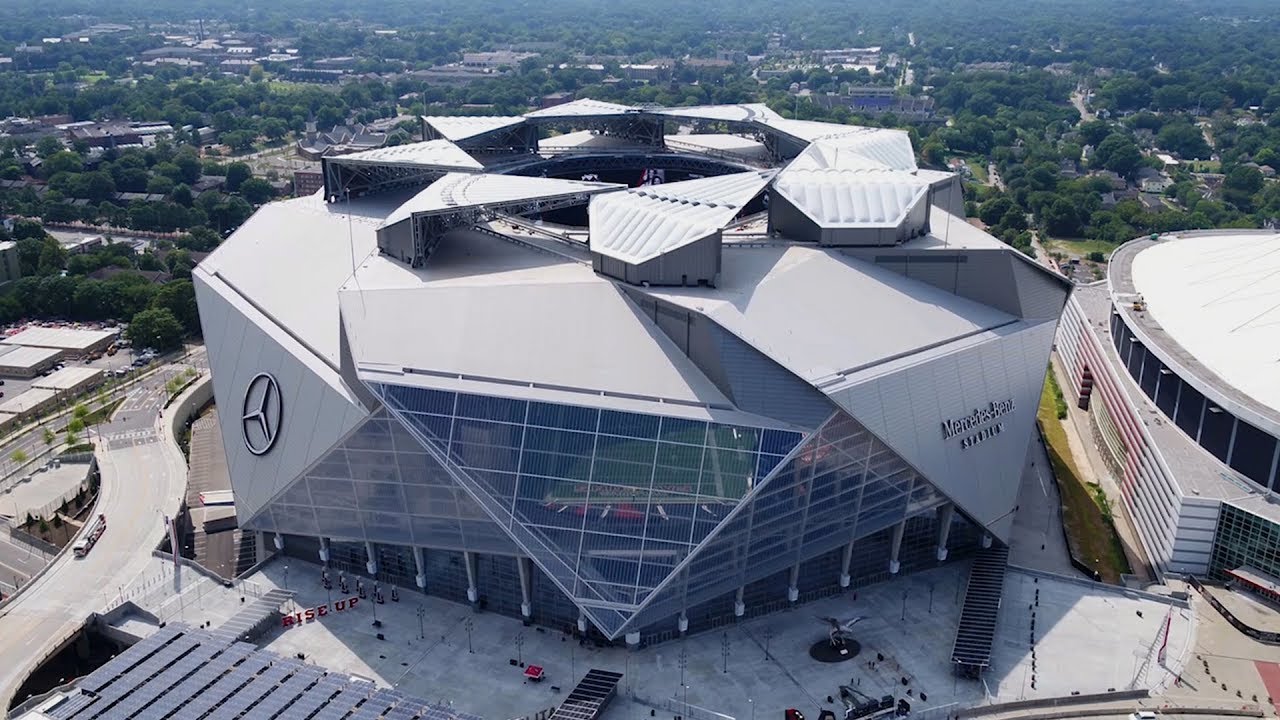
[
  {"x": 260, "y": 545},
  {"x": 420, "y": 560},
  {"x": 845, "y": 578},
  {"x": 793, "y": 585},
  {"x": 279, "y": 542},
  {"x": 633, "y": 641},
  {"x": 739, "y": 607},
  {"x": 945, "y": 514},
  {"x": 473, "y": 594},
  {"x": 371, "y": 558},
  {"x": 582, "y": 622},
  {"x": 896, "y": 547},
  {"x": 324, "y": 550},
  {"x": 986, "y": 540},
  {"x": 526, "y": 588},
  {"x": 683, "y": 623}
]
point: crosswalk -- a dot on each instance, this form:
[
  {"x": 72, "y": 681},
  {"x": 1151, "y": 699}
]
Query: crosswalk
[{"x": 130, "y": 438}]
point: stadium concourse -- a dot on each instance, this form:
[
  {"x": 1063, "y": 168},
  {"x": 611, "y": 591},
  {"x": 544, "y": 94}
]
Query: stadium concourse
[{"x": 498, "y": 372}]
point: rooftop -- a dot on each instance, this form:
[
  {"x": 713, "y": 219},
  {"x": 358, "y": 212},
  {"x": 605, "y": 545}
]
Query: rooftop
[
  {"x": 1213, "y": 307},
  {"x": 61, "y": 338},
  {"x": 68, "y": 378},
  {"x": 17, "y": 356}
]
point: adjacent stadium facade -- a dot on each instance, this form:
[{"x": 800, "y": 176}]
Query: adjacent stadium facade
[
  {"x": 1174, "y": 359},
  {"x": 792, "y": 370}
]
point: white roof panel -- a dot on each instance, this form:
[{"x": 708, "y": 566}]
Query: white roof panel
[
  {"x": 462, "y": 127},
  {"x": 1218, "y": 296},
  {"x": 433, "y": 154},
  {"x": 811, "y": 130},
  {"x": 847, "y": 198},
  {"x": 723, "y": 143},
  {"x": 460, "y": 190},
  {"x": 645, "y": 222},
  {"x": 581, "y": 139},
  {"x": 492, "y": 310},
  {"x": 581, "y": 108},
  {"x": 895, "y": 316},
  {"x": 748, "y": 112},
  {"x": 890, "y": 147},
  {"x": 315, "y": 241}
]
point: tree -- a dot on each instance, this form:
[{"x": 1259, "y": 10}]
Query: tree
[
  {"x": 48, "y": 145},
  {"x": 155, "y": 328},
  {"x": 257, "y": 74},
  {"x": 49, "y": 436},
  {"x": 52, "y": 259},
  {"x": 256, "y": 190},
  {"x": 1119, "y": 154},
  {"x": 991, "y": 211},
  {"x": 1061, "y": 219},
  {"x": 18, "y": 457},
  {"x": 62, "y": 161},
  {"x": 237, "y": 173},
  {"x": 179, "y": 298}
]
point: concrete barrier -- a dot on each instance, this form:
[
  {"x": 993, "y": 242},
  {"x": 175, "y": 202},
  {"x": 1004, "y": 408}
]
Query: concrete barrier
[{"x": 1056, "y": 703}]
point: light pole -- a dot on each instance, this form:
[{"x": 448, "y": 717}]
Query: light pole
[
  {"x": 768, "y": 635},
  {"x": 724, "y": 651},
  {"x": 520, "y": 648},
  {"x": 904, "y": 605},
  {"x": 930, "y": 598},
  {"x": 286, "y": 577},
  {"x": 421, "y": 611},
  {"x": 752, "y": 703},
  {"x": 468, "y": 625}
]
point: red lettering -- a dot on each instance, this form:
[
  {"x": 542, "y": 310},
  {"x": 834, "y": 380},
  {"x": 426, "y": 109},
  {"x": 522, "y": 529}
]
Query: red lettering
[
  {"x": 298, "y": 617},
  {"x": 287, "y": 620},
  {"x": 311, "y": 615},
  {"x": 352, "y": 602},
  {"x": 340, "y": 605},
  {"x": 322, "y": 610}
]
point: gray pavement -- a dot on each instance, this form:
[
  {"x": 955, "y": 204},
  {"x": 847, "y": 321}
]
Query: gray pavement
[
  {"x": 1037, "y": 541},
  {"x": 140, "y": 484},
  {"x": 18, "y": 563},
  {"x": 1088, "y": 633}
]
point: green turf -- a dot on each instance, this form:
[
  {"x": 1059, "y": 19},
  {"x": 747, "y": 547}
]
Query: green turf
[{"x": 626, "y": 467}]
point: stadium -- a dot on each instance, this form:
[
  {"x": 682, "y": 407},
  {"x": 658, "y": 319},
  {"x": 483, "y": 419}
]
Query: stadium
[
  {"x": 633, "y": 371},
  {"x": 1174, "y": 359}
]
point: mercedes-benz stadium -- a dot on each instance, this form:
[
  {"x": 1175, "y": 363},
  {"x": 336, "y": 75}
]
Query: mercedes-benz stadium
[
  {"x": 471, "y": 366},
  {"x": 1174, "y": 359}
]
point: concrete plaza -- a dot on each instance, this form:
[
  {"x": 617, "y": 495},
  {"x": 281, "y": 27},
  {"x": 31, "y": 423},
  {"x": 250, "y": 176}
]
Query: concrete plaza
[{"x": 760, "y": 666}]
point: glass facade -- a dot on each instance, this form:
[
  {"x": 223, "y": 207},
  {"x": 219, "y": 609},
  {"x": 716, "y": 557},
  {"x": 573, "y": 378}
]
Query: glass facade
[
  {"x": 1243, "y": 538},
  {"x": 632, "y": 518}
]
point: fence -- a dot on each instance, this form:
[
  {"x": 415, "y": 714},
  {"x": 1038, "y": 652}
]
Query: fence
[
  {"x": 681, "y": 708},
  {"x": 1261, "y": 636}
]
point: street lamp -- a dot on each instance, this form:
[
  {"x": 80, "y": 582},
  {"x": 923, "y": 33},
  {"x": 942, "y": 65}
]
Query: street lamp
[
  {"x": 724, "y": 650},
  {"x": 768, "y": 635},
  {"x": 421, "y": 611},
  {"x": 286, "y": 577},
  {"x": 468, "y": 625},
  {"x": 904, "y": 605},
  {"x": 520, "y": 648},
  {"x": 752, "y": 703}
]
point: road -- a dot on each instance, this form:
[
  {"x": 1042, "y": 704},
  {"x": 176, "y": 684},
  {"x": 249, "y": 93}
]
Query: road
[
  {"x": 1077, "y": 99},
  {"x": 143, "y": 477}
]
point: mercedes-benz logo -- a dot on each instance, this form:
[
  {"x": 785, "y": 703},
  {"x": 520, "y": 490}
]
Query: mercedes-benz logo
[{"x": 260, "y": 422}]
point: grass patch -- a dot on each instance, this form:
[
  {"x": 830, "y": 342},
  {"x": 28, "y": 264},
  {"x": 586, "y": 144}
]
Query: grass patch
[
  {"x": 1204, "y": 166},
  {"x": 1086, "y": 511},
  {"x": 1080, "y": 248},
  {"x": 978, "y": 168},
  {"x": 103, "y": 413}
]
